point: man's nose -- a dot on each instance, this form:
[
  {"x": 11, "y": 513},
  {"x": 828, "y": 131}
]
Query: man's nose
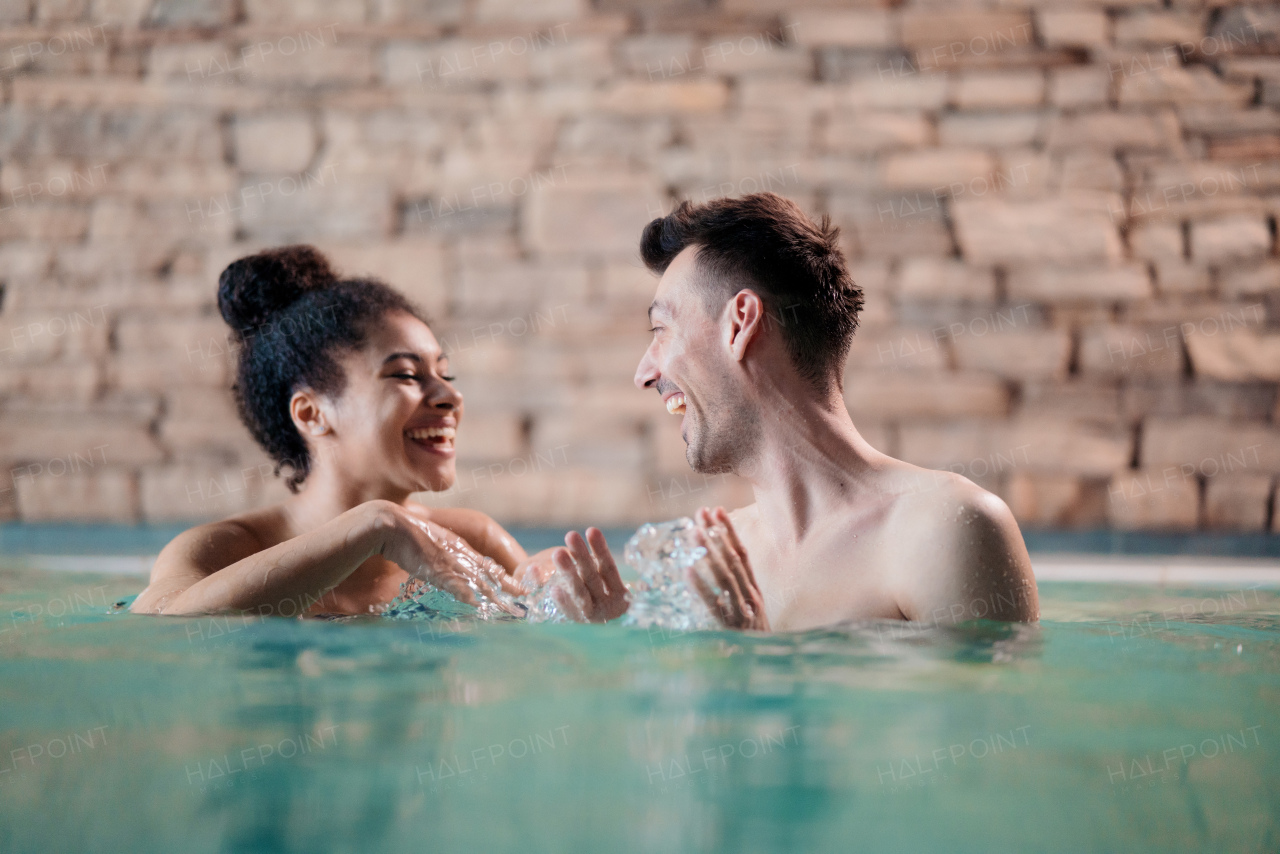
[{"x": 647, "y": 371}]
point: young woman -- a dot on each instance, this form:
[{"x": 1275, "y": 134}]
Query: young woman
[{"x": 345, "y": 387}]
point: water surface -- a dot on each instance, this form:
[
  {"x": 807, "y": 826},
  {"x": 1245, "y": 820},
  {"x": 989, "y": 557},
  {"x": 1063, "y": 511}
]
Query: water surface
[{"x": 1129, "y": 719}]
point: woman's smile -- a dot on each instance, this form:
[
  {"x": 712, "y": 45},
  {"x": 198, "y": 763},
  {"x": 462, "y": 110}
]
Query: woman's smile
[{"x": 434, "y": 439}]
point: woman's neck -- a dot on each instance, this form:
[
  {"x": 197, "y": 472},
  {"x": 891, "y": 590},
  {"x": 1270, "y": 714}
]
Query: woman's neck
[{"x": 325, "y": 495}]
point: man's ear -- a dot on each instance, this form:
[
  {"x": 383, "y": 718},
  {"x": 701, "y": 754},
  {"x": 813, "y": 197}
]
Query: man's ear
[
  {"x": 308, "y": 414},
  {"x": 745, "y": 320}
]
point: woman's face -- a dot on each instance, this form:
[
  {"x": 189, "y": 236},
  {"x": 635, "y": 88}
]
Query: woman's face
[{"x": 396, "y": 417}]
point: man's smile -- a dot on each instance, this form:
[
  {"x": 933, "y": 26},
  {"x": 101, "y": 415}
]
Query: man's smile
[{"x": 675, "y": 403}]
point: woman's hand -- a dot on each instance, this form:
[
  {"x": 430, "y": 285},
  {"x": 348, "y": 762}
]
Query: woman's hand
[
  {"x": 591, "y": 590},
  {"x": 739, "y": 604},
  {"x": 443, "y": 559}
]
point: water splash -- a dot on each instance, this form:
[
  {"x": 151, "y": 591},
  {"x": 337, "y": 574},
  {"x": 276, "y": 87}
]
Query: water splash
[
  {"x": 660, "y": 554},
  {"x": 542, "y": 604},
  {"x": 662, "y": 596},
  {"x": 421, "y": 600}
]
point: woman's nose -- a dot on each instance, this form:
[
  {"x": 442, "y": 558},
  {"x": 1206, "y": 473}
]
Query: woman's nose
[{"x": 445, "y": 397}]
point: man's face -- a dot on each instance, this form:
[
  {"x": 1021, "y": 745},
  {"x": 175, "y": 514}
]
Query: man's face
[{"x": 690, "y": 364}]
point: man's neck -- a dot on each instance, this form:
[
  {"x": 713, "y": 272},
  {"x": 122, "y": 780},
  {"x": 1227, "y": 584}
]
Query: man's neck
[{"x": 809, "y": 464}]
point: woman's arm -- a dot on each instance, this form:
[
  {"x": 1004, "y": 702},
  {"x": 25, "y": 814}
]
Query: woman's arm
[
  {"x": 218, "y": 567},
  {"x": 485, "y": 535}
]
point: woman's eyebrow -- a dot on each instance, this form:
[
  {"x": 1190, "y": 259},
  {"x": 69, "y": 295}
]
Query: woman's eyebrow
[{"x": 413, "y": 356}]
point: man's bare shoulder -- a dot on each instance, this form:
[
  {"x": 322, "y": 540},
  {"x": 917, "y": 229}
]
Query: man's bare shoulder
[
  {"x": 743, "y": 517},
  {"x": 955, "y": 540},
  {"x": 945, "y": 502}
]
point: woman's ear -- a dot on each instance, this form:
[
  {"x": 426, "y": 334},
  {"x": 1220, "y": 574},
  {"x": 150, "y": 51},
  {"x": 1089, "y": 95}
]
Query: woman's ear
[
  {"x": 308, "y": 416},
  {"x": 745, "y": 320}
]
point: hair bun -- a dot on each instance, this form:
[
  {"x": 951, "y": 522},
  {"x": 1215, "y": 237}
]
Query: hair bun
[{"x": 255, "y": 287}]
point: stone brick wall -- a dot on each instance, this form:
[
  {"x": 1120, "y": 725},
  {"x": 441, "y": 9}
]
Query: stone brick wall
[{"x": 1063, "y": 213}]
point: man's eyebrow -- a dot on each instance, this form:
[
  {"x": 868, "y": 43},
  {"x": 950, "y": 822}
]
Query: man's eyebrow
[{"x": 659, "y": 305}]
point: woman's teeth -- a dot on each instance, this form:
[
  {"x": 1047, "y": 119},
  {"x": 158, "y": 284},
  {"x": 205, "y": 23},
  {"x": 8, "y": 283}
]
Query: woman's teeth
[
  {"x": 675, "y": 404},
  {"x": 434, "y": 435}
]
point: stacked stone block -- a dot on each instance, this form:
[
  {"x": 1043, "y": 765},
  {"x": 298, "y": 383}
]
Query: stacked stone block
[{"x": 1063, "y": 214}]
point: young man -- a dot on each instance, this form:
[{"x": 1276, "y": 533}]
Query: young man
[{"x": 752, "y": 323}]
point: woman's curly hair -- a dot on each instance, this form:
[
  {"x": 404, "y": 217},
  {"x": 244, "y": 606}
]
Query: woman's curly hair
[{"x": 291, "y": 314}]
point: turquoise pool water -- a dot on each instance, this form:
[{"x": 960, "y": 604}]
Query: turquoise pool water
[{"x": 1130, "y": 719}]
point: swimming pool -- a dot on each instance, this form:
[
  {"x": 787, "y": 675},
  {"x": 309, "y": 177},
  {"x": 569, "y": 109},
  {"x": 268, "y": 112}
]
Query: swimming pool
[{"x": 1133, "y": 718}]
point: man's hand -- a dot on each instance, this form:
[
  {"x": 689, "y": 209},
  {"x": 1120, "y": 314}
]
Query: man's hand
[
  {"x": 739, "y": 604},
  {"x": 591, "y": 589}
]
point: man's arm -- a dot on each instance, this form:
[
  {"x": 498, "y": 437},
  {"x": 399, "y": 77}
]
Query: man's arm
[{"x": 972, "y": 566}]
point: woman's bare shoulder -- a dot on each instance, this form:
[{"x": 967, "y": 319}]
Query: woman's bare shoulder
[
  {"x": 463, "y": 521},
  {"x": 214, "y": 545},
  {"x": 201, "y": 551},
  {"x": 439, "y": 515}
]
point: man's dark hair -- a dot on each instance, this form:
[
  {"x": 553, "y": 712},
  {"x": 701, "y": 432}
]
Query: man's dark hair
[{"x": 766, "y": 243}]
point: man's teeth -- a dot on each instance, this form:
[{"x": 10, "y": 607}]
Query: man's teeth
[
  {"x": 440, "y": 435},
  {"x": 675, "y": 404}
]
